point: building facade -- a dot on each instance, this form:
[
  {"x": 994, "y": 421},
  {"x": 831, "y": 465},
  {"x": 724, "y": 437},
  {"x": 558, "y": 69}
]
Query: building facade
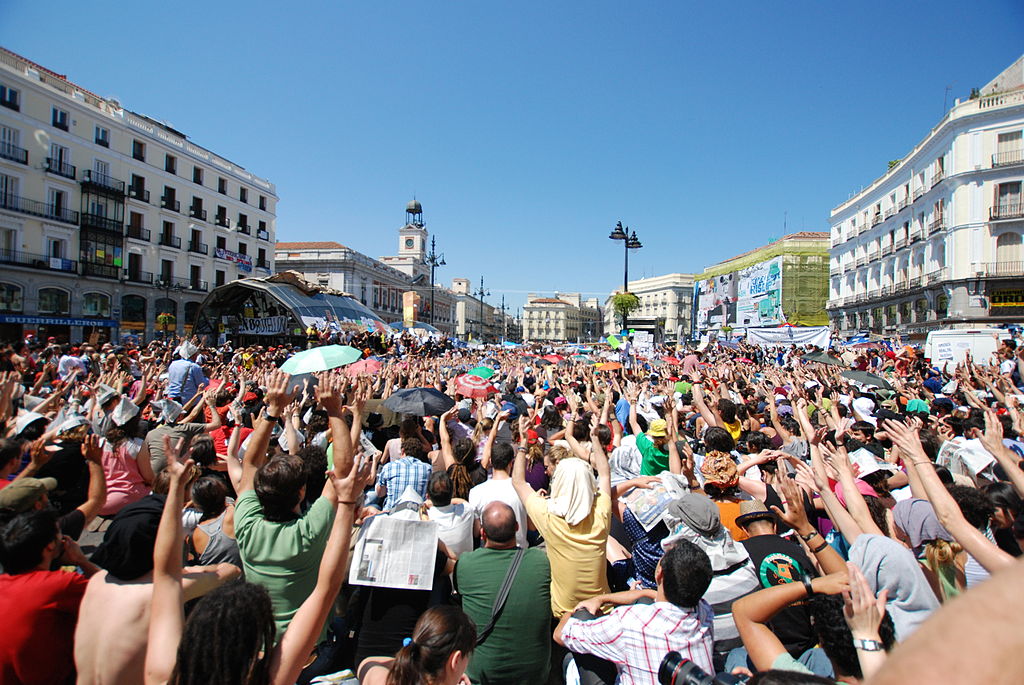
[
  {"x": 109, "y": 218},
  {"x": 785, "y": 281},
  {"x": 664, "y": 311},
  {"x": 566, "y": 317},
  {"x": 936, "y": 241}
]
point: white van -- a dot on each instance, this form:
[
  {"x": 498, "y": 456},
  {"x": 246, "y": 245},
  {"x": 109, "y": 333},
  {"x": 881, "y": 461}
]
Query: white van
[{"x": 952, "y": 344}]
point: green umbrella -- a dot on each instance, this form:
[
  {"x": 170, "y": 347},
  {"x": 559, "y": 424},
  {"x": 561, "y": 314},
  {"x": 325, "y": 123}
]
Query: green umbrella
[
  {"x": 481, "y": 371},
  {"x": 865, "y": 378},
  {"x": 823, "y": 358},
  {"x": 321, "y": 359}
]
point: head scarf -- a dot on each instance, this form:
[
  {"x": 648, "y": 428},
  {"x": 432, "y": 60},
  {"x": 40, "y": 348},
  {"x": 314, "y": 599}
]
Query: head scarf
[
  {"x": 695, "y": 518},
  {"x": 719, "y": 469},
  {"x": 572, "y": 490},
  {"x": 917, "y": 519},
  {"x": 890, "y": 566}
]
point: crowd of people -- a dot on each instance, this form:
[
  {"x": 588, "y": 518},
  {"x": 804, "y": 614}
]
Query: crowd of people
[{"x": 188, "y": 513}]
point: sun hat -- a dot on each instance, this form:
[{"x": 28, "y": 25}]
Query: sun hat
[
  {"x": 658, "y": 428},
  {"x": 754, "y": 510}
]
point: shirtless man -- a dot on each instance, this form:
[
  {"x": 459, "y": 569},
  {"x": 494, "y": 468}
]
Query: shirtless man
[{"x": 113, "y": 622}]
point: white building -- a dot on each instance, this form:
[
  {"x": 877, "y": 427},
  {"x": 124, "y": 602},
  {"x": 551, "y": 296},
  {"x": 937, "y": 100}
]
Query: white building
[
  {"x": 109, "y": 218},
  {"x": 665, "y": 305},
  {"x": 936, "y": 241},
  {"x": 377, "y": 283},
  {"x": 566, "y": 317}
]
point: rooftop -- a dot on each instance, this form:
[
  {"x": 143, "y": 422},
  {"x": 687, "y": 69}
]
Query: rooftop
[
  {"x": 314, "y": 245},
  {"x": 546, "y": 300}
]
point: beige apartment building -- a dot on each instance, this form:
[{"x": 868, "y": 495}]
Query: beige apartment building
[
  {"x": 665, "y": 305},
  {"x": 109, "y": 218},
  {"x": 566, "y": 317}
]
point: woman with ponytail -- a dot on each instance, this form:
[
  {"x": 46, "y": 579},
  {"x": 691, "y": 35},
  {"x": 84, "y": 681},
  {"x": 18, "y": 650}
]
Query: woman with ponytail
[
  {"x": 917, "y": 525},
  {"x": 459, "y": 459},
  {"x": 436, "y": 654}
]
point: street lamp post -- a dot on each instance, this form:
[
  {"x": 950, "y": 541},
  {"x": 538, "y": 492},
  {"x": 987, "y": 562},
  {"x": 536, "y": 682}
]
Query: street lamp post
[
  {"x": 481, "y": 294},
  {"x": 433, "y": 260},
  {"x": 629, "y": 242}
]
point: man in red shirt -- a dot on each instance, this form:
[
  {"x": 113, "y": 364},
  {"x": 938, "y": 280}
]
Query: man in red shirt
[{"x": 39, "y": 606}]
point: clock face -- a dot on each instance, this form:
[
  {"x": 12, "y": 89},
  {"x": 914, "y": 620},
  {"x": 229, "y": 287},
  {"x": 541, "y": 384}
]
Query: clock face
[{"x": 409, "y": 242}]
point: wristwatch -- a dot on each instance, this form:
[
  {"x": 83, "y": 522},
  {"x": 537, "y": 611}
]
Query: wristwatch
[{"x": 868, "y": 645}]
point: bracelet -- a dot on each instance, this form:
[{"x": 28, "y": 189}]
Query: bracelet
[
  {"x": 823, "y": 545},
  {"x": 809, "y": 536},
  {"x": 806, "y": 580},
  {"x": 868, "y": 645},
  {"x": 345, "y": 502}
]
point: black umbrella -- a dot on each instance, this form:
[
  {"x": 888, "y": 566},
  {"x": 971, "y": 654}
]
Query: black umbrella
[
  {"x": 865, "y": 378},
  {"x": 823, "y": 358},
  {"x": 492, "y": 361},
  {"x": 541, "y": 362},
  {"x": 419, "y": 402}
]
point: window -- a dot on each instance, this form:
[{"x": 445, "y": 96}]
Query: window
[
  {"x": 263, "y": 202},
  {"x": 139, "y": 150},
  {"x": 170, "y": 164},
  {"x": 54, "y": 301},
  {"x": 134, "y": 220},
  {"x": 262, "y": 258},
  {"x": 168, "y": 228},
  {"x": 8, "y": 191},
  {"x": 243, "y": 248},
  {"x": 197, "y": 175},
  {"x": 11, "y": 300},
  {"x": 96, "y": 304},
  {"x": 222, "y": 186},
  {"x": 56, "y": 248},
  {"x": 166, "y": 269},
  {"x": 10, "y": 148},
  {"x": 243, "y": 221},
  {"x": 59, "y": 156},
  {"x": 195, "y": 275},
  {"x": 222, "y": 243},
  {"x": 133, "y": 308},
  {"x": 58, "y": 201},
  {"x": 219, "y": 278},
  {"x": 60, "y": 118},
  {"x": 243, "y": 194},
  {"x": 10, "y": 98},
  {"x": 102, "y": 136},
  {"x": 1008, "y": 251}
]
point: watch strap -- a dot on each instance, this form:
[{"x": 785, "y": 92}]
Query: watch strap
[{"x": 868, "y": 645}]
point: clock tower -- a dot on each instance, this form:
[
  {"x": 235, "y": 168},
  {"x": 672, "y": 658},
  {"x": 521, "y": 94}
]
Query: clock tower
[{"x": 412, "y": 243}]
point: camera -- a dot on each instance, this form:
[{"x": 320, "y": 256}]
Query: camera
[{"x": 675, "y": 669}]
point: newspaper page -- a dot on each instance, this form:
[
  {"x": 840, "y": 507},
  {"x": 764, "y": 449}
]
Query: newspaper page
[
  {"x": 649, "y": 505},
  {"x": 395, "y": 553}
]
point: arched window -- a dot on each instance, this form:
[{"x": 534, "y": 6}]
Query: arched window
[
  {"x": 133, "y": 308},
  {"x": 11, "y": 299},
  {"x": 54, "y": 301},
  {"x": 941, "y": 306},
  {"x": 1008, "y": 253},
  {"x": 165, "y": 306},
  {"x": 96, "y": 304},
  {"x": 191, "y": 309}
]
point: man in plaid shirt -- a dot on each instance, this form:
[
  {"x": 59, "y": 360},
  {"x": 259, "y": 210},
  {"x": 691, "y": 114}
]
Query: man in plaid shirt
[
  {"x": 637, "y": 634},
  {"x": 411, "y": 471}
]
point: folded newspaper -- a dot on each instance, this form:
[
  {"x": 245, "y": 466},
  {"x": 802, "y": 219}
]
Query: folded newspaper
[
  {"x": 649, "y": 505},
  {"x": 395, "y": 552}
]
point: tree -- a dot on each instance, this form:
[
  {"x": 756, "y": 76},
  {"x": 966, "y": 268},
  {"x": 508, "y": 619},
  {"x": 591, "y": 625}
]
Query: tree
[{"x": 624, "y": 304}]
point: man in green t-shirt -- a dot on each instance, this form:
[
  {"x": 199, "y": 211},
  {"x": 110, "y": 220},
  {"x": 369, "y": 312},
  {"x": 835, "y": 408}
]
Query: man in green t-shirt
[
  {"x": 518, "y": 650},
  {"x": 653, "y": 444}
]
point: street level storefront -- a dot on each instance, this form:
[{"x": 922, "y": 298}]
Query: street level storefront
[
  {"x": 63, "y": 328},
  {"x": 277, "y": 309}
]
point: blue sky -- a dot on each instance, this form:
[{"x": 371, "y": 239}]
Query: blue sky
[{"x": 528, "y": 129}]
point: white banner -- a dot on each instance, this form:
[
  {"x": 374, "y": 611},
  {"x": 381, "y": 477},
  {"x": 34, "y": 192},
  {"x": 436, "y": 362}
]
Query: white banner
[
  {"x": 270, "y": 325},
  {"x": 820, "y": 336}
]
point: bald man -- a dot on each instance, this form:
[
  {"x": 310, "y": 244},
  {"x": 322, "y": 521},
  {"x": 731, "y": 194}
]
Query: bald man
[{"x": 518, "y": 650}]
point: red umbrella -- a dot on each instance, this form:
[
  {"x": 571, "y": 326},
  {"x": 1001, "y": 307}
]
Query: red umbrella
[
  {"x": 473, "y": 386},
  {"x": 553, "y": 358},
  {"x": 363, "y": 367},
  {"x": 670, "y": 360},
  {"x": 745, "y": 360}
]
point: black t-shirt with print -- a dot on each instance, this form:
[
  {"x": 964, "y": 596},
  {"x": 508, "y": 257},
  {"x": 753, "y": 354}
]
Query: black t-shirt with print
[{"x": 777, "y": 561}]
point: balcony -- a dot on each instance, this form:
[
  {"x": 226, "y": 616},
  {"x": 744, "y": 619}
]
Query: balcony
[
  {"x": 222, "y": 220},
  {"x": 263, "y": 234},
  {"x": 876, "y": 219},
  {"x": 1008, "y": 158},
  {"x": 37, "y": 261},
  {"x": 835, "y": 271},
  {"x": 244, "y": 228},
  {"x": 102, "y": 223},
  {"x": 101, "y": 270},
  {"x": 197, "y": 213},
  {"x": 138, "y": 233},
  {"x": 198, "y": 248},
  {"x": 136, "y": 276},
  {"x": 198, "y": 285},
  {"x": 263, "y": 264},
  {"x": 140, "y": 194},
  {"x": 904, "y": 203},
  {"x": 938, "y": 176},
  {"x": 1010, "y": 210},
  {"x": 13, "y": 153},
  {"x": 937, "y": 225},
  {"x": 915, "y": 236},
  {"x": 899, "y": 243},
  {"x": 936, "y": 276},
  {"x": 102, "y": 181},
  {"x": 15, "y": 203},
  {"x": 861, "y": 261},
  {"x": 1015, "y": 269},
  {"x": 170, "y": 241},
  {"x": 170, "y": 204},
  {"x": 919, "y": 192},
  {"x": 890, "y": 212},
  {"x": 55, "y": 166},
  {"x": 913, "y": 282},
  {"x": 886, "y": 249}
]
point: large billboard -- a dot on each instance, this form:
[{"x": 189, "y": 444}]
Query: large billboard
[
  {"x": 749, "y": 297},
  {"x": 759, "y": 299}
]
